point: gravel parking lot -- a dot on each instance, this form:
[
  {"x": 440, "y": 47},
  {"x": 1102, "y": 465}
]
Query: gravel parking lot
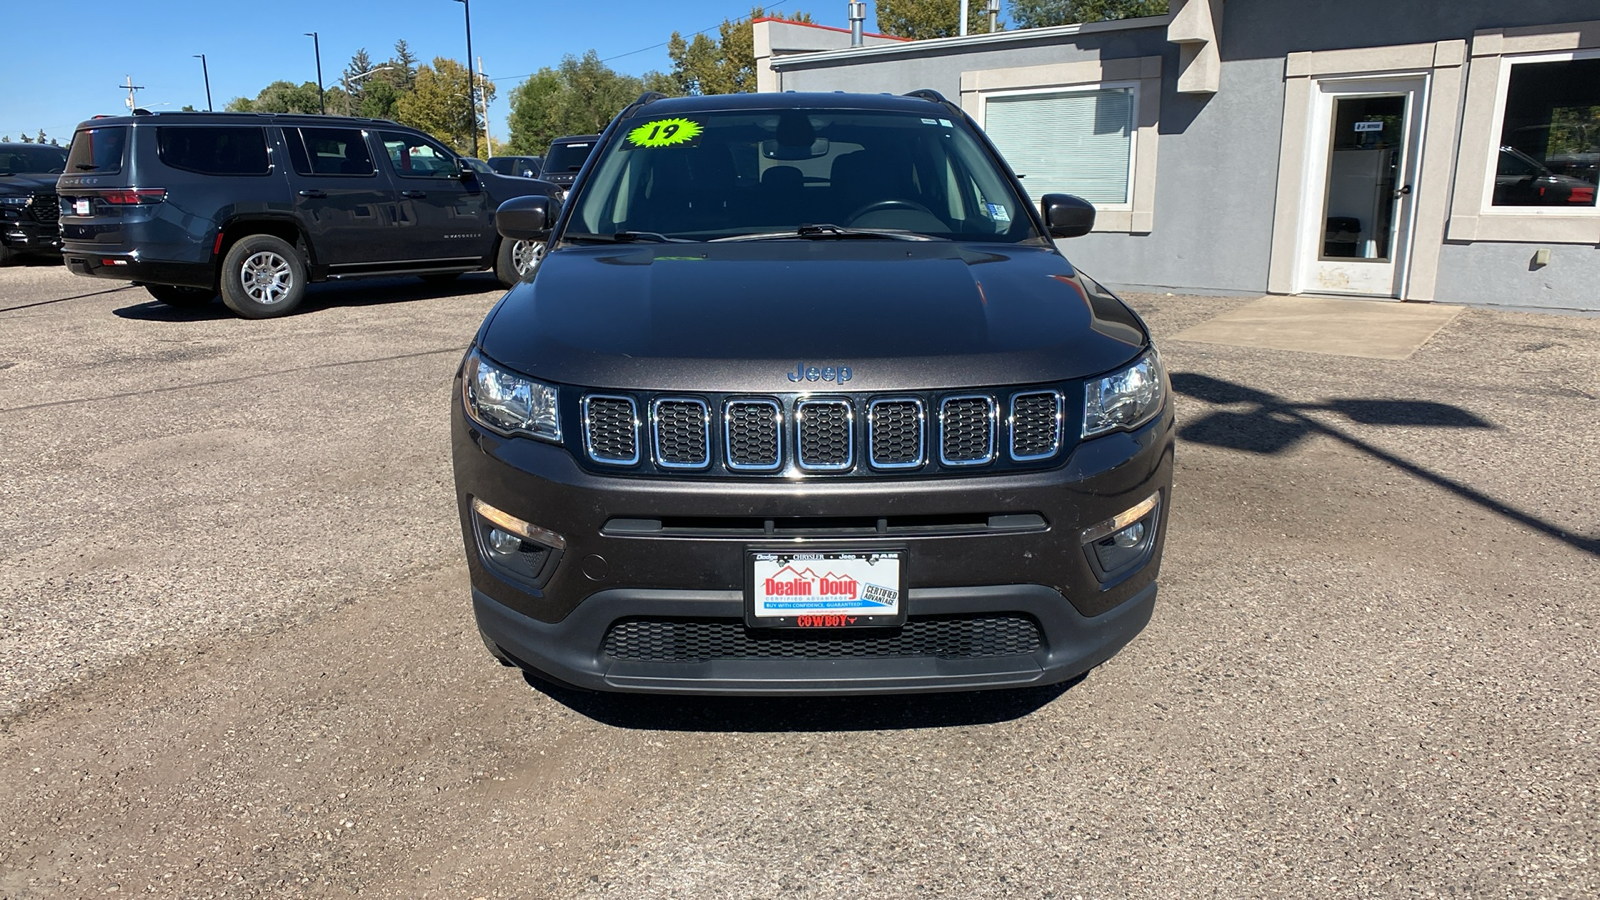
[{"x": 237, "y": 657}]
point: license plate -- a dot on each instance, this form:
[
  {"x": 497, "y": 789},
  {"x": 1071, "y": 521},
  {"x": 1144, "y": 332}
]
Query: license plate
[
  {"x": 82, "y": 206},
  {"x": 832, "y": 589}
]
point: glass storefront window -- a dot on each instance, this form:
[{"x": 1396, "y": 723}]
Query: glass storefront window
[{"x": 1549, "y": 150}]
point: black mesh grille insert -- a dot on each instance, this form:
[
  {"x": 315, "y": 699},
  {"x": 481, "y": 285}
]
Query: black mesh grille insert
[
  {"x": 46, "y": 208},
  {"x": 945, "y": 637},
  {"x": 896, "y": 427},
  {"x": 824, "y": 434},
  {"x": 753, "y": 434},
  {"x": 967, "y": 434},
  {"x": 681, "y": 433},
  {"x": 610, "y": 430},
  {"x": 1035, "y": 428}
]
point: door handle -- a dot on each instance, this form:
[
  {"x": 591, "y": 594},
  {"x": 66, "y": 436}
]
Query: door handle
[
  {"x": 414, "y": 195},
  {"x": 314, "y": 194},
  {"x": 1403, "y": 191}
]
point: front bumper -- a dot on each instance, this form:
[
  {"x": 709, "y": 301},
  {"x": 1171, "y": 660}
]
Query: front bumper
[
  {"x": 24, "y": 234},
  {"x": 602, "y": 577}
]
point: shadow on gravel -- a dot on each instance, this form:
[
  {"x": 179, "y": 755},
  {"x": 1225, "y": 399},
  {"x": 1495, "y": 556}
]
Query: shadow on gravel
[
  {"x": 799, "y": 714},
  {"x": 1269, "y": 424},
  {"x": 324, "y": 296}
]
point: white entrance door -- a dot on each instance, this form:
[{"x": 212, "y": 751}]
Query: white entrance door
[{"x": 1365, "y": 143}]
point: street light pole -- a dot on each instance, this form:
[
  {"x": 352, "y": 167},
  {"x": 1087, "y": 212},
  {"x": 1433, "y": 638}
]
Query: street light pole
[
  {"x": 348, "y": 80},
  {"x": 207, "y": 73},
  {"x": 316, "y": 44},
  {"x": 472, "y": 93}
]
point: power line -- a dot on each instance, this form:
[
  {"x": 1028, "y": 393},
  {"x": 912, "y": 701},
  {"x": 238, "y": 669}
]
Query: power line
[{"x": 766, "y": 9}]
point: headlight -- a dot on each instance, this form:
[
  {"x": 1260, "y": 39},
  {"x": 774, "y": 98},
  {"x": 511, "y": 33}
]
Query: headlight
[
  {"x": 1125, "y": 399},
  {"x": 15, "y": 202},
  {"x": 503, "y": 401}
]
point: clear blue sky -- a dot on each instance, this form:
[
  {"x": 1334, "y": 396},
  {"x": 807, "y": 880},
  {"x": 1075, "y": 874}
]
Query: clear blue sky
[{"x": 63, "y": 65}]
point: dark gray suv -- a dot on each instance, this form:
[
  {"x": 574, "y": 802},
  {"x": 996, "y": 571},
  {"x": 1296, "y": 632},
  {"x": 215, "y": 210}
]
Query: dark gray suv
[
  {"x": 804, "y": 399},
  {"x": 256, "y": 206}
]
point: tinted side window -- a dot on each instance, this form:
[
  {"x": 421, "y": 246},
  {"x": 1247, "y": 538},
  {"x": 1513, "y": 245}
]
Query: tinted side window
[
  {"x": 417, "y": 157},
  {"x": 97, "y": 150},
  {"x": 329, "y": 151},
  {"x": 230, "y": 150}
]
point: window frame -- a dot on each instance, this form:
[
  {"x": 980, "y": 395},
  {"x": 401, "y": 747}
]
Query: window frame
[
  {"x": 1133, "y": 125},
  {"x": 1497, "y": 123},
  {"x": 266, "y": 146},
  {"x": 305, "y": 148},
  {"x": 432, "y": 176}
]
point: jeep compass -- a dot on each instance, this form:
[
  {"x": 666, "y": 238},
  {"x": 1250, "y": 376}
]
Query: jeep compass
[{"x": 804, "y": 400}]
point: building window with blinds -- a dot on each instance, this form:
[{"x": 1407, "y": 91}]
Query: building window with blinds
[{"x": 1074, "y": 141}]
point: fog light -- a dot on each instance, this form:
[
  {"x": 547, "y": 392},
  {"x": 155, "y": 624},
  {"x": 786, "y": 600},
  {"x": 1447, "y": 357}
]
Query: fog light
[
  {"x": 1121, "y": 543},
  {"x": 503, "y": 543},
  {"x": 1130, "y": 536}
]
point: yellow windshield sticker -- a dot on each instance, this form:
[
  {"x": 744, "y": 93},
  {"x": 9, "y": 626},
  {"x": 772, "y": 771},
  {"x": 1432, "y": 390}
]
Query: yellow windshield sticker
[{"x": 664, "y": 133}]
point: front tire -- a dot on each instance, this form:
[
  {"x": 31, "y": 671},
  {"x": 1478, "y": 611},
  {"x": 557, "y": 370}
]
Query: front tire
[
  {"x": 517, "y": 261},
  {"x": 263, "y": 277},
  {"x": 180, "y": 297}
]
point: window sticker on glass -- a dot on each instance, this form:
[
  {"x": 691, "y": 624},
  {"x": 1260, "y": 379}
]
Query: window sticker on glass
[
  {"x": 998, "y": 213},
  {"x": 930, "y": 121},
  {"x": 664, "y": 133}
]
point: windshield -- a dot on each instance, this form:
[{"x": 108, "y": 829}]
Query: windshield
[
  {"x": 567, "y": 158},
  {"x": 724, "y": 174},
  {"x": 34, "y": 160}
]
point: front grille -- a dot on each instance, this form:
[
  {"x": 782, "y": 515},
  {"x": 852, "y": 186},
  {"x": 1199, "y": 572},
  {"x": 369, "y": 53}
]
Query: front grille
[
  {"x": 611, "y": 429},
  {"x": 753, "y": 430},
  {"x": 943, "y": 637},
  {"x": 895, "y": 427},
  {"x": 682, "y": 430},
  {"x": 1035, "y": 425},
  {"x": 825, "y": 431},
  {"x": 46, "y": 208},
  {"x": 966, "y": 430}
]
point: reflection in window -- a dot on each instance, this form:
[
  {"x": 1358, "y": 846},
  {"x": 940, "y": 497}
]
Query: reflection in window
[
  {"x": 414, "y": 156},
  {"x": 1367, "y": 149},
  {"x": 1550, "y": 136}
]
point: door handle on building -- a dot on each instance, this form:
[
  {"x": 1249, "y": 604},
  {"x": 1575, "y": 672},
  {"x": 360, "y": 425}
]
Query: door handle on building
[{"x": 1403, "y": 191}]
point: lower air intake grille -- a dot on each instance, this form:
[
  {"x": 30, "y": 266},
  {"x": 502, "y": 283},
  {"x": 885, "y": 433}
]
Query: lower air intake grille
[
  {"x": 682, "y": 433},
  {"x": 945, "y": 637},
  {"x": 753, "y": 428}
]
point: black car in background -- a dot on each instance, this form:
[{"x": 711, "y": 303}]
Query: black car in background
[
  {"x": 28, "y": 207},
  {"x": 256, "y": 206},
  {"x": 521, "y": 166},
  {"x": 565, "y": 157},
  {"x": 804, "y": 399}
]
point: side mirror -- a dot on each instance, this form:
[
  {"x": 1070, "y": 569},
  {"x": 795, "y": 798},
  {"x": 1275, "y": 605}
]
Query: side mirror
[
  {"x": 526, "y": 218},
  {"x": 1067, "y": 216}
]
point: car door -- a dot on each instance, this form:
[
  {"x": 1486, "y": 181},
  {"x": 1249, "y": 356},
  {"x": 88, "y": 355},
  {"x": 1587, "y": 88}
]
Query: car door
[
  {"x": 345, "y": 204},
  {"x": 441, "y": 217}
]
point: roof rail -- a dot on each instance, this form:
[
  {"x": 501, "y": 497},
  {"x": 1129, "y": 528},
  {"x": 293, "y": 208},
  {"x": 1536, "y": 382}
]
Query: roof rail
[
  {"x": 645, "y": 99},
  {"x": 933, "y": 96}
]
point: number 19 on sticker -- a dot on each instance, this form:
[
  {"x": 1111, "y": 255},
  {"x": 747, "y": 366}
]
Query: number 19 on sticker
[{"x": 664, "y": 133}]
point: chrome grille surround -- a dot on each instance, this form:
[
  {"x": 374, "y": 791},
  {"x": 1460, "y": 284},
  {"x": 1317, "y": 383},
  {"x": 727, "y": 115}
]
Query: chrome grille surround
[
  {"x": 887, "y": 433},
  {"x": 605, "y": 409},
  {"x": 825, "y": 434},
  {"x": 747, "y": 438},
  {"x": 680, "y": 441},
  {"x": 967, "y": 424},
  {"x": 1035, "y": 424}
]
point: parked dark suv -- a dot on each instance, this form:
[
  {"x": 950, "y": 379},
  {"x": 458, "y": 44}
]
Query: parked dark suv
[
  {"x": 28, "y": 175},
  {"x": 565, "y": 157},
  {"x": 804, "y": 399},
  {"x": 255, "y": 206}
]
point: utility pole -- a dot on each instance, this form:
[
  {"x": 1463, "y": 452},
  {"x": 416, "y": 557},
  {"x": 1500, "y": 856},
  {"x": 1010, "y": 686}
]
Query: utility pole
[
  {"x": 130, "y": 87},
  {"x": 963, "y": 26},
  {"x": 207, "y": 73},
  {"x": 316, "y": 44},
  {"x": 488, "y": 139},
  {"x": 994, "y": 16},
  {"x": 472, "y": 93}
]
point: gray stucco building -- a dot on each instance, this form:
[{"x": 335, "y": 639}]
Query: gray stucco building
[{"x": 1442, "y": 150}]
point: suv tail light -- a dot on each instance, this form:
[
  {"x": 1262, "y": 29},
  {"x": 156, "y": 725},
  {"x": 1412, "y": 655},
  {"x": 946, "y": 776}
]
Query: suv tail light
[{"x": 135, "y": 196}]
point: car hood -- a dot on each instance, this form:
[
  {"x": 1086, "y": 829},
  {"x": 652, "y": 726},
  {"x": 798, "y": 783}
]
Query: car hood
[
  {"x": 27, "y": 184},
  {"x": 758, "y": 316}
]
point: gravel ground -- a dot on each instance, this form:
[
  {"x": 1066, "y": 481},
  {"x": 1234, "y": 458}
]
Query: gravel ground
[{"x": 237, "y": 660}]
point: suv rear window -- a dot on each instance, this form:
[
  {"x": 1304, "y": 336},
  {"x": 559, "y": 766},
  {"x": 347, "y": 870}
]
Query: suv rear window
[
  {"x": 567, "y": 157},
  {"x": 227, "y": 150},
  {"x": 97, "y": 150},
  {"x": 328, "y": 151}
]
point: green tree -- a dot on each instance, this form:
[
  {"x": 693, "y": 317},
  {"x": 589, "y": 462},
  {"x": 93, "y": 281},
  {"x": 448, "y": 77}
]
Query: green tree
[
  {"x": 723, "y": 65},
  {"x": 26, "y": 139},
  {"x": 438, "y": 104},
  {"x": 286, "y": 97},
  {"x": 580, "y": 96},
  {"x": 405, "y": 64},
  {"x": 1044, "y": 13},
  {"x": 923, "y": 19}
]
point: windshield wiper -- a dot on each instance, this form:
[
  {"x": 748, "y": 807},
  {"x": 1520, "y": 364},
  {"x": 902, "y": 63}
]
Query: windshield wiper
[
  {"x": 823, "y": 231},
  {"x": 624, "y": 237}
]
